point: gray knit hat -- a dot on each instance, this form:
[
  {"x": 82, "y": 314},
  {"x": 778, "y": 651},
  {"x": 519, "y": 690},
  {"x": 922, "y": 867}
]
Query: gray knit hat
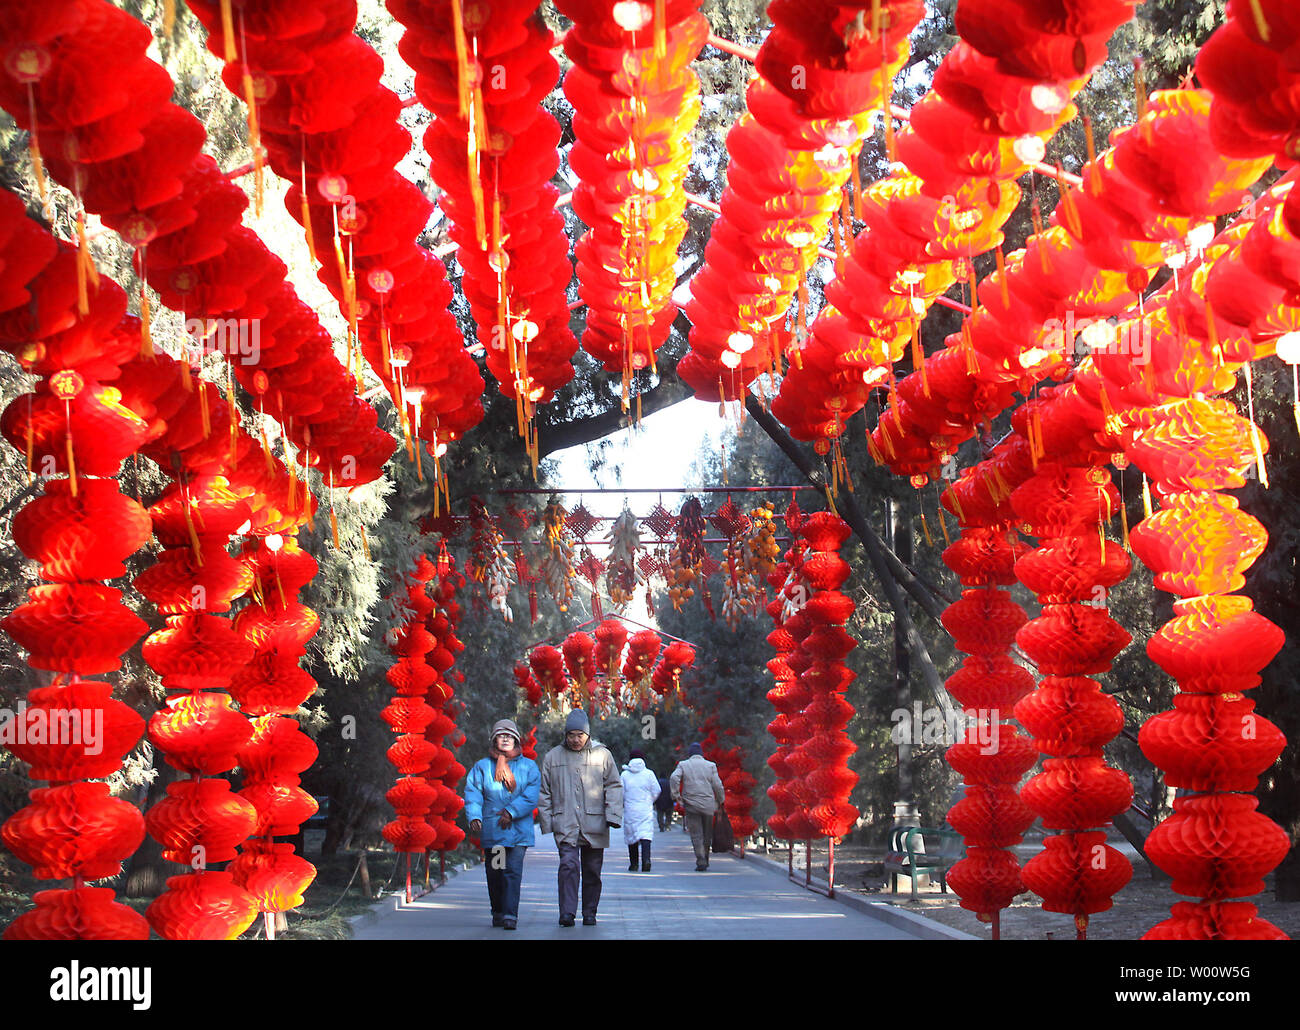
[
  {"x": 506, "y": 726},
  {"x": 577, "y": 720}
]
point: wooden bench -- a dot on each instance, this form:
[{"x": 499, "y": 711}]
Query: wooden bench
[{"x": 914, "y": 850}]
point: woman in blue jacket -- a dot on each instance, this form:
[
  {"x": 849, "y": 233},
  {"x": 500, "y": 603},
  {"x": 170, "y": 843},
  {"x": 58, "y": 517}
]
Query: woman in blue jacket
[{"x": 500, "y": 796}]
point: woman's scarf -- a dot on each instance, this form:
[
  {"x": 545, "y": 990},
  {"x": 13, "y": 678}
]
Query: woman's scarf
[{"x": 503, "y": 774}]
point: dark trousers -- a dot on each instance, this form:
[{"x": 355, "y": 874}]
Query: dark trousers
[
  {"x": 579, "y": 863},
  {"x": 643, "y": 848},
  {"x": 665, "y": 818},
  {"x": 505, "y": 874},
  {"x": 700, "y": 825}
]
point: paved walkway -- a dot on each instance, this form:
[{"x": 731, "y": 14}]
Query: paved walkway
[{"x": 736, "y": 899}]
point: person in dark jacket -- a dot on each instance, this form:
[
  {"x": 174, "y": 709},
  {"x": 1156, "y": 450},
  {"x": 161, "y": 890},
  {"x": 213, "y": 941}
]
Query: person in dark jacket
[
  {"x": 664, "y": 805},
  {"x": 500, "y": 794}
]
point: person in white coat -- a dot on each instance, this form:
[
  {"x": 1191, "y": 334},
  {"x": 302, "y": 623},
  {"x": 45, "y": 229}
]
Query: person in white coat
[{"x": 640, "y": 788}]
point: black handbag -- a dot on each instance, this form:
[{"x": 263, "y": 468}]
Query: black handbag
[{"x": 723, "y": 837}]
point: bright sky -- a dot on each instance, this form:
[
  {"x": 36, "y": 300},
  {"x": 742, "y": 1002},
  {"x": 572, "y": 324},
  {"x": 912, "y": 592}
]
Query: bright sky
[{"x": 659, "y": 455}]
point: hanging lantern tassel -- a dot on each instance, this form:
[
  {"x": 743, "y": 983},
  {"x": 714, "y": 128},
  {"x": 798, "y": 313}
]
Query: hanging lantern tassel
[
  {"x": 1256, "y": 438},
  {"x": 1261, "y": 23},
  {"x": 365, "y": 543},
  {"x": 334, "y": 522},
  {"x": 234, "y": 415},
  {"x": 306, "y": 221},
  {"x": 38, "y": 166},
  {"x": 169, "y": 17},
  {"x": 146, "y": 334},
  {"x": 228, "y": 32},
  {"x": 1140, "y": 93},
  {"x": 254, "y": 141},
  {"x": 194, "y": 533},
  {"x": 925, "y": 528},
  {"x": 1003, "y": 286},
  {"x": 1123, "y": 515},
  {"x": 1094, "y": 172},
  {"x": 204, "y": 415},
  {"x": 661, "y": 29},
  {"x": 266, "y": 450},
  {"x": 87, "y": 273},
  {"x": 67, "y": 440},
  {"x": 31, "y": 438}
]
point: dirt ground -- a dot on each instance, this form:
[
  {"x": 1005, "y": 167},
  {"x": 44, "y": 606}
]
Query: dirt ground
[{"x": 1138, "y": 907}]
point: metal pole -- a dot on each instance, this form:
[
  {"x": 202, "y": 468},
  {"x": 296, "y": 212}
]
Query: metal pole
[{"x": 830, "y": 871}]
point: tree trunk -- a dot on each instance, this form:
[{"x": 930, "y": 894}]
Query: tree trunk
[
  {"x": 365, "y": 877},
  {"x": 147, "y": 871},
  {"x": 900, "y": 542},
  {"x": 876, "y": 553}
]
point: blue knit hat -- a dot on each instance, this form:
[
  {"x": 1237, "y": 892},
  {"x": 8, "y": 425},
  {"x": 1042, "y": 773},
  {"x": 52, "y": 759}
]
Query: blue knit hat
[{"x": 577, "y": 720}]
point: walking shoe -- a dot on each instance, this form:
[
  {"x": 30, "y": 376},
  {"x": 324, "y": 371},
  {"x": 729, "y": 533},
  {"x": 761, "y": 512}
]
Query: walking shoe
[
  {"x": 498, "y": 921},
  {"x": 632, "y": 868},
  {"x": 701, "y": 869},
  {"x": 588, "y": 920},
  {"x": 566, "y": 920},
  {"x": 645, "y": 868},
  {"x": 508, "y": 924}
]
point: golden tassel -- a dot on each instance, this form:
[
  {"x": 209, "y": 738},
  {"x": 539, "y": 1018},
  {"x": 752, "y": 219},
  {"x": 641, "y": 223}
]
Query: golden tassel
[
  {"x": 87, "y": 273},
  {"x": 292, "y": 501},
  {"x": 1146, "y": 496},
  {"x": 1140, "y": 91},
  {"x": 925, "y": 528},
  {"x": 254, "y": 142},
  {"x": 462, "y": 57},
  {"x": 146, "y": 336},
  {"x": 1261, "y": 23},
  {"x": 169, "y": 17},
  {"x": 1212, "y": 330},
  {"x": 72, "y": 463},
  {"x": 266, "y": 453},
  {"x": 306, "y": 219},
  {"x": 918, "y": 356},
  {"x": 203, "y": 409},
  {"x": 857, "y": 186},
  {"x": 661, "y": 29},
  {"x": 1094, "y": 172},
  {"x": 365, "y": 543},
  {"x": 234, "y": 415},
  {"x": 956, "y": 506},
  {"x": 228, "y": 32},
  {"x": 334, "y": 525},
  {"x": 31, "y": 440},
  {"x": 1256, "y": 440},
  {"x": 1069, "y": 211},
  {"x": 886, "y": 94},
  {"x": 943, "y": 524},
  {"x": 194, "y": 533},
  {"x": 34, "y": 149}
]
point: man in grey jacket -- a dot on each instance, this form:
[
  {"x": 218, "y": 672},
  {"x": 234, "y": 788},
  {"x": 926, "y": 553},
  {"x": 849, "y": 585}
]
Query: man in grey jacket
[
  {"x": 696, "y": 784},
  {"x": 580, "y": 801}
]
